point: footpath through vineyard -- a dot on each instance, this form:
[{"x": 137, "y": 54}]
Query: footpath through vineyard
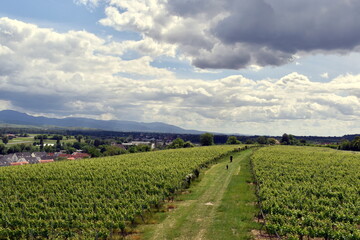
[{"x": 217, "y": 207}]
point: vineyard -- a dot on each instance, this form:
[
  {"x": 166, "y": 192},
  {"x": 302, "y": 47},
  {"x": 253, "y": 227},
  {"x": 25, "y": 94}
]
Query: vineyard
[
  {"x": 94, "y": 198},
  {"x": 309, "y": 192}
]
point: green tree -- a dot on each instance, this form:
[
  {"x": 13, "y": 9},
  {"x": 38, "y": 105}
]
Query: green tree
[
  {"x": 345, "y": 144},
  {"x": 97, "y": 142},
  {"x": 113, "y": 150},
  {"x": 249, "y": 141},
  {"x": 355, "y": 144},
  {"x": 49, "y": 149},
  {"x": 2, "y": 149},
  {"x": 70, "y": 150},
  {"x": 57, "y": 137},
  {"x": 14, "y": 149},
  {"x": 188, "y": 144},
  {"x": 93, "y": 151},
  {"x": 133, "y": 149},
  {"x": 58, "y": 145},
  {"x": 177, "y": 143},
  {"x": 22, "y": 147},
  {"x": 79, "y": 137},
  {"x": 206, "y": 139},
  {"x": 232, "y": 140},
  {"x": 78, "y": 145},
  {"x": 285, "y": 139},
  {"x": 143, "y": 148},
  {"x": 41, "y": 143},
  {"x": 261, "y": 140},
  {"x": 293, "y": 140},
  {"x": 5, "y": 139},
  {"x": 271, "y": 141},
  {"x": 288, "y": 139}
]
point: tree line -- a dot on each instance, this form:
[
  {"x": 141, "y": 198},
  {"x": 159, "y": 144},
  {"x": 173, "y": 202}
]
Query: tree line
[{"x": 353, "y": 145}]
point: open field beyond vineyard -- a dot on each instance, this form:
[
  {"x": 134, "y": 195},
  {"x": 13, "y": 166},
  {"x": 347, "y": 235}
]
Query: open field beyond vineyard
[
  {"x": 309, "y": 192},
  {"x": 95, "y": 198}
]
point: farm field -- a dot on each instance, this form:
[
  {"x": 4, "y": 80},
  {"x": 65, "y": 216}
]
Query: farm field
[
  {"x": 94, "y": 198},
  {"x": 27, "y": 140},
  {"x": 309, "y": 192},
  {"x": 30, "y": 140}
]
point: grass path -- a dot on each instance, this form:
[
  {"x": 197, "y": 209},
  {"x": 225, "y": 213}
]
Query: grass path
[{"x": 217, "y": 206}]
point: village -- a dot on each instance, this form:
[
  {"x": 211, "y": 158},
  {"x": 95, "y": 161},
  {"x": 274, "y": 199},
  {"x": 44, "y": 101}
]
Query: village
[
  {"x": 22, "y": 150},
  {"x": 22, "y": 158}
]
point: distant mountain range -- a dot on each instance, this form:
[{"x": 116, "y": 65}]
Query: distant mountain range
[{"x": 18, "y": 118}]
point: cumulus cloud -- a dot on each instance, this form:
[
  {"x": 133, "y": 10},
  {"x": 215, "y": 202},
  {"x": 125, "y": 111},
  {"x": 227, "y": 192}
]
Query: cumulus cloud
[
  {"x": 79, "y": 74},
  {"x": 54, "y": 66},
  {"x": 5, "y": 104},
  {"x": 324, "y": 75},
  {"x": 238, "y": 34}
]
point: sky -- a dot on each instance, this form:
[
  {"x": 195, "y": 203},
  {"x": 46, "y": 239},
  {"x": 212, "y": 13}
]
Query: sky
[{"x": 263, "y": 67}]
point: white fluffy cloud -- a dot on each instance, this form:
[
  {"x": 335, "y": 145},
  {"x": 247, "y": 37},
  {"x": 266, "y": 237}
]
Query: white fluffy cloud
[
  {"x": 78, "y": 73},
  {"x": 89, "y": 3}
]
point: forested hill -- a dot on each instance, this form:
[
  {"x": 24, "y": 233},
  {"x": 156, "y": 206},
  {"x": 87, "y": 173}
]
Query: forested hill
[{"x": 14, "y": 117}]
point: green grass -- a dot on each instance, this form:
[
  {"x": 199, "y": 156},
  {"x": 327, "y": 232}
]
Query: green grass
[
  {"x": 218, "y": 206},
  {"x": 30, "y": 140},
  {"x": 18, "y": 140},
  {"x": 234, "y": 217}
]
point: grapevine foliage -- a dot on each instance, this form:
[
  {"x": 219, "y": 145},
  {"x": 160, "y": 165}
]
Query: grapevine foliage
[
  {"x": 94, "y": 198},
  {"x": 309, "y": 192}
]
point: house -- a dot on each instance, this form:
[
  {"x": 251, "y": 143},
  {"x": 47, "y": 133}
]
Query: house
[
  {"x": 32, "y": 160},
  {"x": 11, "y": 157},
  {"x": 137, "y": 143},
  {"x": 11, "y": 136},
  {"x": 18, "y": 163},
  {"x": 30, "y": 157},
  {"x": 78, "y": 155},
  {"x": 75, "y": 155},
  {"x": 22, "y": 158},
  {"x": 3, "y": 161},
  {"x": 46, "y": 161},
  {"x": 118, "y": 145},
  {"x": 41, "y": 155},
  {"x": 63, "y": 155}
]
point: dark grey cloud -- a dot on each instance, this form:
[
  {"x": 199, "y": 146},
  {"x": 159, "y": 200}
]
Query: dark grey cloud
[
  {"x": 225, "y": 59},
  {"x": 235, "y": 34},
  {"x": 268, "y": 31},
  {"x": 190, "y": 8},
  {"x": 292, "y": 26}
]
